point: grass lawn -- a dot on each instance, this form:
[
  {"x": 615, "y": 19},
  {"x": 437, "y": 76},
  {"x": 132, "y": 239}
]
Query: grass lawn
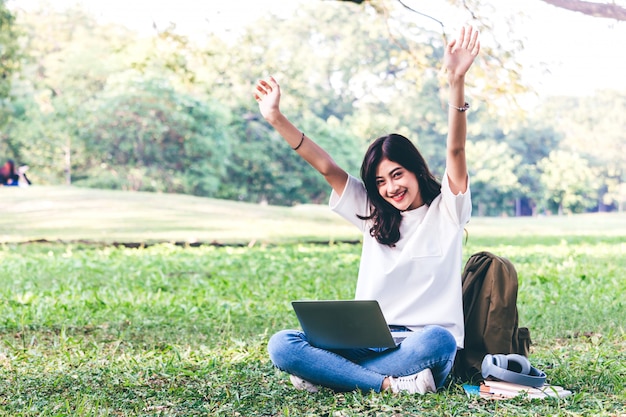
[
  {"x": 173, "y": 330},
  {"x": 74, "y": 214}
]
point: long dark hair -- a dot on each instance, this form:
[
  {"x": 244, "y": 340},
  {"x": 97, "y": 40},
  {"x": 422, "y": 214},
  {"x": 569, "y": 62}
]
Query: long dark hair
[{"x": 386, "y": 218}]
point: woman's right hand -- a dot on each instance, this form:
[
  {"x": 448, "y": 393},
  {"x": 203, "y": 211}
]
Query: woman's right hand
[{"x": 267, "y": 94}]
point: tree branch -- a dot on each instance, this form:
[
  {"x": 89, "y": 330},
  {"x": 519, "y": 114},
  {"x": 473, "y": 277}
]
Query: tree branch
[
  {"x": 423, "y": 14},
  {"x": 604, "y": 10}
]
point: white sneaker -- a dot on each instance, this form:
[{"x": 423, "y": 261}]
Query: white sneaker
[
  {"x": 419, "y": 383},
  {"x": 300, "y": 383}
]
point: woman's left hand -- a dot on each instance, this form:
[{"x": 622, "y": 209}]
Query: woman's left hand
[{"x": 461, "y": 52}]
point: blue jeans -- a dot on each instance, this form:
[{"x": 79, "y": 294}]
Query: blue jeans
[{"x": 433, "y": 347}]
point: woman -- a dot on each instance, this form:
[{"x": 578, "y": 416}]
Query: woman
[{"x": 412, "y": 241}]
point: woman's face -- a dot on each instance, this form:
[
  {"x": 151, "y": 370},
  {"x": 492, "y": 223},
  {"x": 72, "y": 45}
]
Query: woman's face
[{"x": 398, "y": 186}]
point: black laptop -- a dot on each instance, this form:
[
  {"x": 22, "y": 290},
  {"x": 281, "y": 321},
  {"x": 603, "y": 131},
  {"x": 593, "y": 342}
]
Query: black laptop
[{"x": 346, "y": 324}]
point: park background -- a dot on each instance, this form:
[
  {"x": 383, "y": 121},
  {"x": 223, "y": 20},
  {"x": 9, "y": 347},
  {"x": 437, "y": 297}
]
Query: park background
[
  {"x": 168, "y": 228},
  {"x": 157, "y": 101}
]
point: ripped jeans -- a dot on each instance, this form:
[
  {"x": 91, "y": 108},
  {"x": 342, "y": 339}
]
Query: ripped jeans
[{"x": 343, "y": 370}]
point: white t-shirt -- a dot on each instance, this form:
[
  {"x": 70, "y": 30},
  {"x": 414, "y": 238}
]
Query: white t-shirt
[{"x": 417, "y": 282}]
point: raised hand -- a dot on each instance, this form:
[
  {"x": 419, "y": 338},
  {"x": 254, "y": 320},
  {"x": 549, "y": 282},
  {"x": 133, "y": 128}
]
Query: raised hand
[
  {"x": 267, "y": 94},
  {"x": 461, "y": 52}
]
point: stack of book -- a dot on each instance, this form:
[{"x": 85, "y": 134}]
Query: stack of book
[{"x": 497, "y": 390}]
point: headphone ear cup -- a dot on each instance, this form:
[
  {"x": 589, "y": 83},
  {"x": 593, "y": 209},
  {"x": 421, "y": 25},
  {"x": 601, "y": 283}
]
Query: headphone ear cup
[
  {"x": 518, "y": 363},
  {"x": 501, "y": 361},
  {"x": 488, "y": 363}
]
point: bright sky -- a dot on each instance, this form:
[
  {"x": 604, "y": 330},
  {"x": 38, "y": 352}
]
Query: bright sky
[{"x": 582, "y": 53}]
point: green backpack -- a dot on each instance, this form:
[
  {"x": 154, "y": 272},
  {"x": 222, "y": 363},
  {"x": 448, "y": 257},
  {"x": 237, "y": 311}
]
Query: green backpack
[{"x": 490, "y": 313}]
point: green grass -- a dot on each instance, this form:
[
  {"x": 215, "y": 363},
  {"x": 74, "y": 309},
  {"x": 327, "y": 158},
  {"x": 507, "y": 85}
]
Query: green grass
[
  {"x": 168, "y": 330},
  {"x": 75, "y": 214},
  {"x": 70, "y": 214}
]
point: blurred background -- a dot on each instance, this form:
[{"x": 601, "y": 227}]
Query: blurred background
[{"x": 157, "y": 96}]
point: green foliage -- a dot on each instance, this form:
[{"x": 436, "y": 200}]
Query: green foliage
[
  {"x": 9, "y": 65},
  {"x": 9, "y": 53},
  {"x": 100, "y": 106},
  {"x": 566, "y": 178},
  {"x": 594, "y": 130},
  {"x": 178, "y": 331},
  {"x": 149, "y": 137},
  {"x": 67, "y": 60},
  {"x": 346, "y": 71},
  {"x": 493, "y": 177}
]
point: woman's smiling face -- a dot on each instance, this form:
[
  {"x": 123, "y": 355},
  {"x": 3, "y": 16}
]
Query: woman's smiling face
[{"x": 398, "y": 186}]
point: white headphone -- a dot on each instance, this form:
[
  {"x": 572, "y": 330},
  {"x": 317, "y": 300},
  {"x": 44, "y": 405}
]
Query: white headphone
[{"x": 512, "y": 368}]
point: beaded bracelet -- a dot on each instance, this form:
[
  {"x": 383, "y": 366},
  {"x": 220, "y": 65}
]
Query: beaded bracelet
[{"x": 461, "y": 109}]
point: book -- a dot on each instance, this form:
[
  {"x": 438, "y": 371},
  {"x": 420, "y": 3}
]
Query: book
[{"x": 501, "y": 389}]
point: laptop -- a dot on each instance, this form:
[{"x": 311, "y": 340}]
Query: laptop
[{"x": 346, "y": 324}]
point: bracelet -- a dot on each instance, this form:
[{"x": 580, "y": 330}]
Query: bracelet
[
  {"x": 299, "y": 144},
  {"x": 461, "y": 109}
]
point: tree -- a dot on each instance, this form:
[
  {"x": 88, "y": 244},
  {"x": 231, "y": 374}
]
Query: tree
[
  {"x": 142, "y": 134},
  {"x": 568, "y": 182},
  {"x": 167, "y": 113},
  {"x": 71, "y": 60},
  {"x": 325, "y": 73},
  {"x": 9, "y": 50},
  {"x": 530, "y": 142},
  {"x": 9, "y": 65},
  {"x": 498, "y": 66},
  {"x": 604, "y": 10},
  {"x": 492, "y": 173},
  {"x": 67, "y": 58},
  {"x": 593, "y": 127}
]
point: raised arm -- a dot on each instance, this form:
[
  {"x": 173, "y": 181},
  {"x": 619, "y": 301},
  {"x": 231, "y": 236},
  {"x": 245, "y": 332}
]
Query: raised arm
[
  {"x": 267, "y": 94},
  {"x": 459, "y": 56}
]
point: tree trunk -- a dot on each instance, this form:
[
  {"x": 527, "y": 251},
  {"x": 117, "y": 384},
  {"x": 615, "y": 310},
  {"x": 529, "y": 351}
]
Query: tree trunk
[{"x": 68, "y": 163}]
